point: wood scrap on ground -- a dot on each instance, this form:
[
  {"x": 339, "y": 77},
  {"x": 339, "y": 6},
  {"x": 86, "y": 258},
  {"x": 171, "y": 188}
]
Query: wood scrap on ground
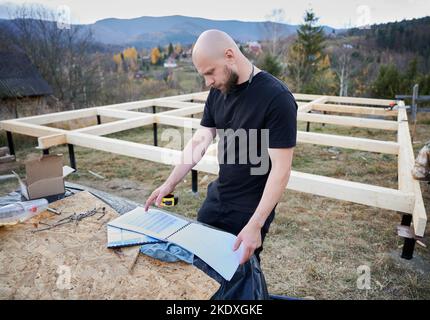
[{"x": 71, "y": 261}]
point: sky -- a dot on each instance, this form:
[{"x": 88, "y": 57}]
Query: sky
[{"x": 335, "y": 13}]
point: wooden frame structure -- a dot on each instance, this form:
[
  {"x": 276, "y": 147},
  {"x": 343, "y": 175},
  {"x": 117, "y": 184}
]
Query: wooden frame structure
[{"x": 407, "y": 199}]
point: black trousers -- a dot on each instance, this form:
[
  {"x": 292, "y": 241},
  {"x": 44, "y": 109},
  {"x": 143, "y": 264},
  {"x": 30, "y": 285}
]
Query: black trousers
[{"x": 219, "y": 215}]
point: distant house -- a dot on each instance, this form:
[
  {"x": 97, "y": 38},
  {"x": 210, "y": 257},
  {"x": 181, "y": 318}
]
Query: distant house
[
  {"x": 254, "y": 47},
  {"x": 170, "y": 63},
  {"x": 139, "y": 74},
  {"x": 23, "y": 91}
]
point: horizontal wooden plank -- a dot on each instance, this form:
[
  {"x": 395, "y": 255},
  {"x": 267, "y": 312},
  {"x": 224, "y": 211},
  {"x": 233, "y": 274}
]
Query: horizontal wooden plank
[
  {"x": 308, "y": 106},
  {"x": 28, "y": 129},
  {"x": 348, "y": 121},
  {"x": 117, "y": 126},
  {"x": 53, "y": 140},
  {"x": 362, "y": 144},
  {"x": 59, "y": 116},
  {"x": 120, "y": 114},
  {"x": 360, "y": 101},
  {"x": 380, "y": 197},
  {"x": 361, "y": 193},
  {"x": 354, "y": 109},
  {"x": 177, "y": 121},
  {"x": 197, "y": 108},
  {"x": 175, "y": 104}
]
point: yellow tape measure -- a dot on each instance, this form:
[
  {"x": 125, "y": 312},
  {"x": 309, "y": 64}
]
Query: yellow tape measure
[{"x": 169, "y": 200}]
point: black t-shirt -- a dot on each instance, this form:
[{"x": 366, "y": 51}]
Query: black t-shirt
[{"x": 264, "y": 103}]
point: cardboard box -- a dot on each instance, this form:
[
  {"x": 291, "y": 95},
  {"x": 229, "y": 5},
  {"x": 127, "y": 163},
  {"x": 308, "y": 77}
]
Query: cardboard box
[{"x": 44, "y": 177}]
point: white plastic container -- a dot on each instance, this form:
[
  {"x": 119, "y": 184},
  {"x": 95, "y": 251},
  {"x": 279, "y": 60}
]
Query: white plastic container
[{"x": 21, "y": 211}]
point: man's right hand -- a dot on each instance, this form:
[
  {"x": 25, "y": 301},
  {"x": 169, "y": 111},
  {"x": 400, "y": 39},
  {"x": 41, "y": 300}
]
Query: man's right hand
[{"x": 158, "y": 194}]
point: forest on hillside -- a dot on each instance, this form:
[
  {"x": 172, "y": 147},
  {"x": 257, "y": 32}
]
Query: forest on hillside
[{"x": 381, "y": 61}]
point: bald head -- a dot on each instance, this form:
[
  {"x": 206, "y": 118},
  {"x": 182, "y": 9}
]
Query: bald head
[
  {"x": 219, "y": 60},
  {"x": 213, "y": 44}
]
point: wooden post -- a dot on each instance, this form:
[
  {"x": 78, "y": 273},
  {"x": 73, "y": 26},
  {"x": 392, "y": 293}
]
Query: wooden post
[
  {"x": 154, "y": 127},
  {"x": 10, "y": 143},
  {"x": 194, "y": 181},
  {"x": 72, "y": 156},
  {"x": 308, "y": 124},
  {"x": 99, "y": 120},
  {"x": 414, "y": 110},
  {"x": 409, "y": 243}
]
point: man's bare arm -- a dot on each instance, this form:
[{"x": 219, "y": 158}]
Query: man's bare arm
[
  {"x": 278, "y": 178},
  {"x": 191, "y": 155}
]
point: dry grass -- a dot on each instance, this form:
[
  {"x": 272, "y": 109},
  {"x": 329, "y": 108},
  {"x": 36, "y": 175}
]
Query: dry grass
[{"x": 315, "y": 244}]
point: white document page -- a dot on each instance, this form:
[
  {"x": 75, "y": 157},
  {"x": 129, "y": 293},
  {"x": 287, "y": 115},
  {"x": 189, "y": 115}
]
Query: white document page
[
  {"x": 118, "y": 237},
  {"x": 212, "y": 246},
  {"x": 154, "y": 223}
]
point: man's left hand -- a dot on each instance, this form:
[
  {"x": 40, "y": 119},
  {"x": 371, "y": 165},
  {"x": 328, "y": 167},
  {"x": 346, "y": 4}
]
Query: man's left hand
[{"x": 250, "y": 238}]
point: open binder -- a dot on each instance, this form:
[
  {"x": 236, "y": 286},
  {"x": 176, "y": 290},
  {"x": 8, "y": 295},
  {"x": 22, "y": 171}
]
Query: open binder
[{"x": 213, "y": 246}]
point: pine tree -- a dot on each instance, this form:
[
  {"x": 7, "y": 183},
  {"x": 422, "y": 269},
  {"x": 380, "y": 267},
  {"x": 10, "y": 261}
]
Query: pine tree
[
  {"x": 170, "y": 50},
  {"x": 306, "y": 54}
]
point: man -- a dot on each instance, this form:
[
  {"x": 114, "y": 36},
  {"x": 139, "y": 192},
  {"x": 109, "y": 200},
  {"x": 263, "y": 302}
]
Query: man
[{"x": 242, "y": 100}]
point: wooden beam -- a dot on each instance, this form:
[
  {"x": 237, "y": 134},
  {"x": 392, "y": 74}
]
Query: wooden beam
[
  {"x": 197, "y": 108},
  {"x": 47, "y": 142},
  {"x": 348, "y": 121},
  {"x": 59, "y": 116},
  {"x": 308, "y": 106},
  {"x": 120, "y": 114},
  {"x": 126, "y": 148},
  {"x": 361, "y": 193},
  {"x": 117, "y": 126},
  {"x": 348, "y": 100},
  {"x": 362, "y": 101},
  {"x": 174, "y": 104},
  {"x": 324, "y": 186},
  {"x": 407, "y": 183},
  {"x": 177, "y": 121},
  {"x": 150, "y": 102},
  {"x": 362, "y": 144},
  {"x": 334, "y": 188},
  {"x": 140, "y": 151},
  {"x": 306, "y": 97},
  {"x": 353, "y": 109},
  {"x": 212, "y": 149},
  {"x": 189, "y": 96},
  {"x": 29, "y": 129},
  {"x": 131, "y": 105}
]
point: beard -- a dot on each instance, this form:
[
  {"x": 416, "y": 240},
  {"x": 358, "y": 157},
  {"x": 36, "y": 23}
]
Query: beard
[{"x": 232, "y": 78}]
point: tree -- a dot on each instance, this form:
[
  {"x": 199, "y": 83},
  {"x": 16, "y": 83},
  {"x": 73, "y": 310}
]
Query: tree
[
  {"x": 63, "y": 56},
  {"x": 130, "y": 56},
  {"x": 387, "y": 83},
  {"x": 271, "y": 64},
  {"x": 170, "y": 50},
  {"x": 155, "y": 55},
  {"x": 117, "y": 58},
  {"x": 306, "y": 53},
  {"x": 273, "y": 32}
]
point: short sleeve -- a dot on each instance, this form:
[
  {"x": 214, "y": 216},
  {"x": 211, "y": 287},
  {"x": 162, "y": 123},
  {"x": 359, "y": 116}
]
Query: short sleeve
[
  {"x": 281, "y": 120},
  {"x": 208, "y": 119}
]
